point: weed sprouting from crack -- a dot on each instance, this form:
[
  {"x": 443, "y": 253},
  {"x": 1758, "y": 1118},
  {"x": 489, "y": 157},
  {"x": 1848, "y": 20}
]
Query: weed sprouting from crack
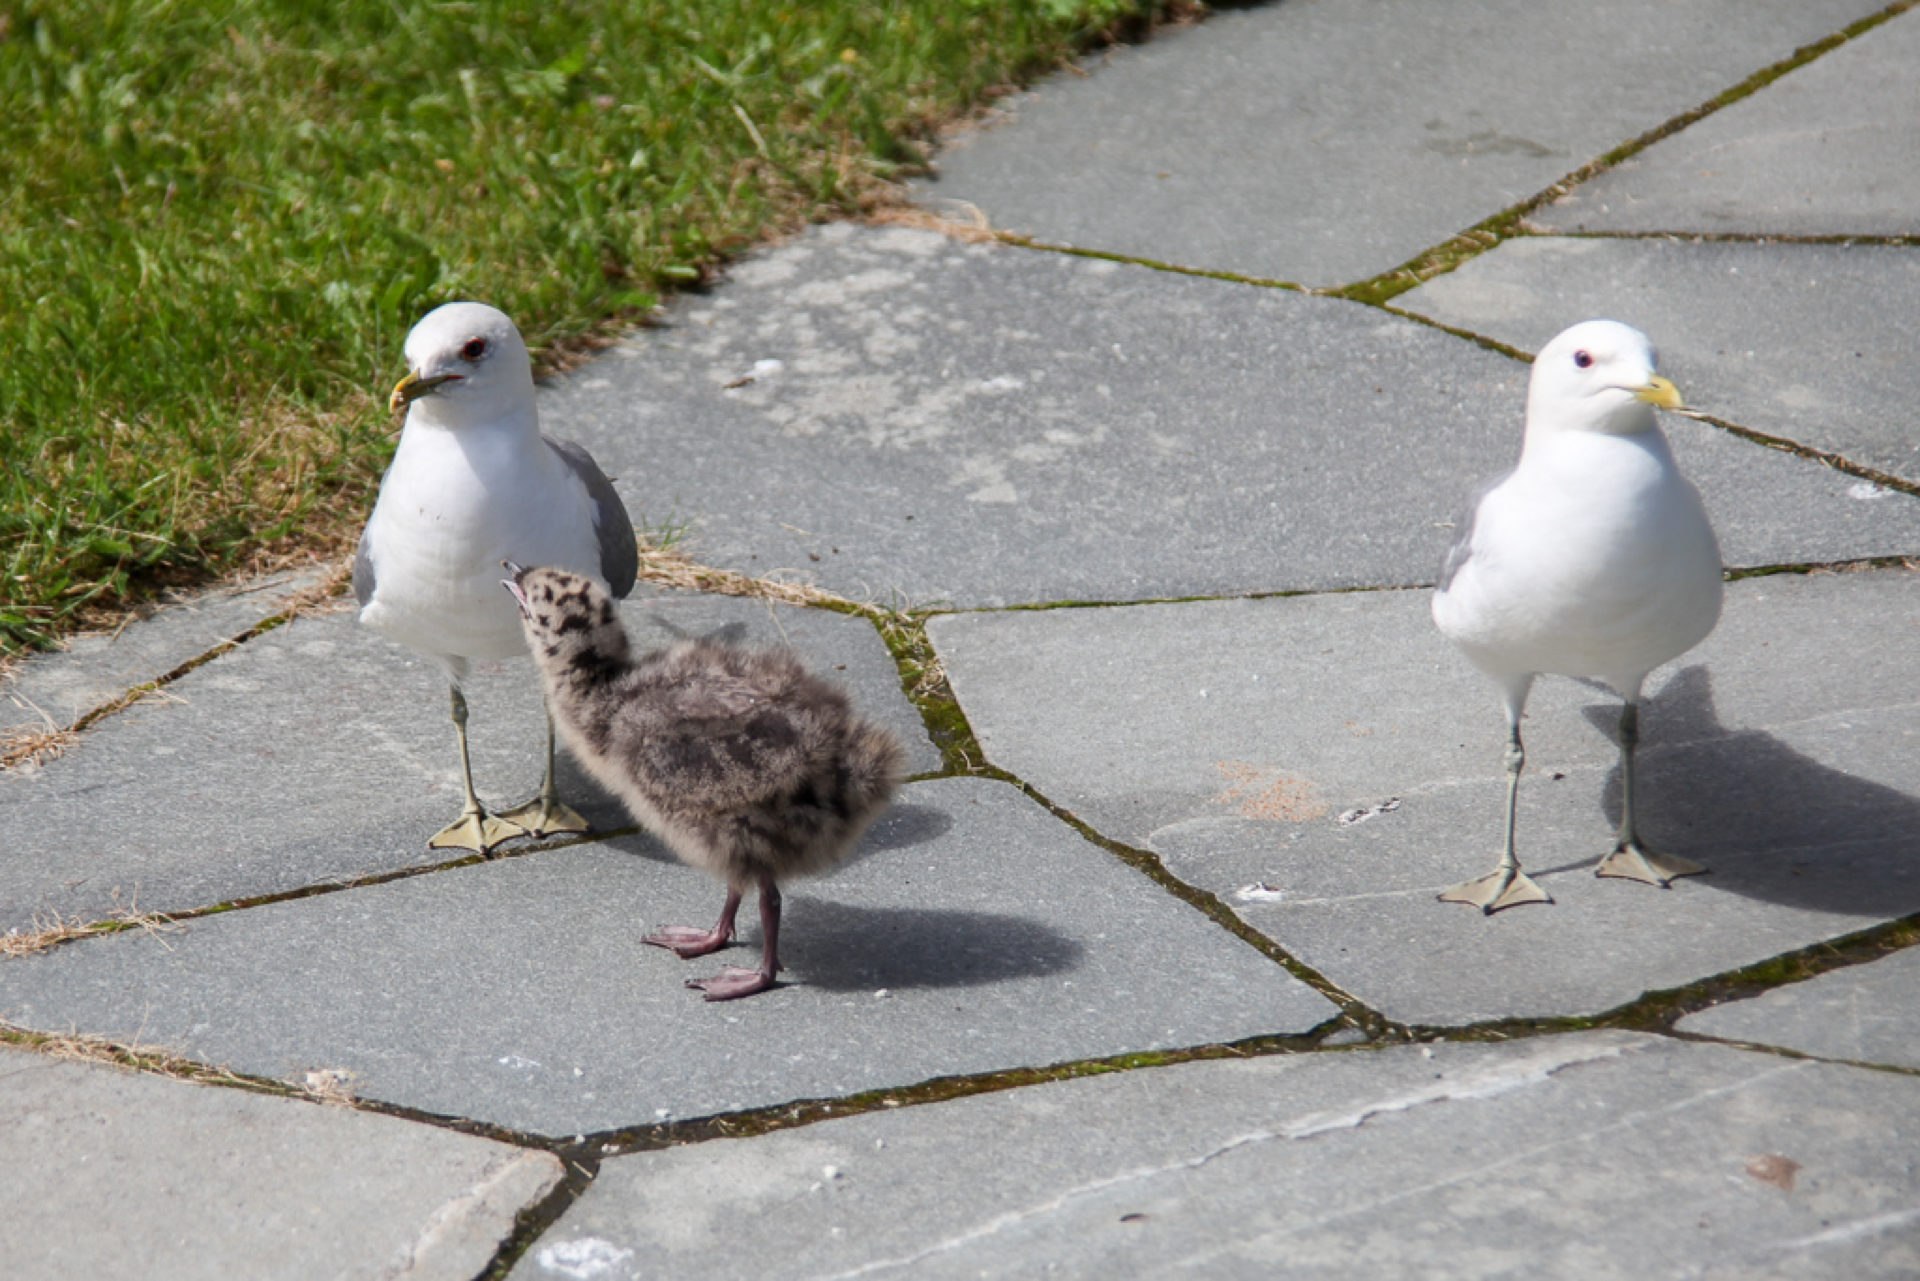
[
  {"x": 82, "y": 1047},
  {"x": 50, "y": 931},
  {"x": 668, "y": 566}
]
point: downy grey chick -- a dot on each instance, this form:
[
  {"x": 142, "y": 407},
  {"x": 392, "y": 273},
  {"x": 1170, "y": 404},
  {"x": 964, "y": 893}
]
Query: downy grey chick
[{"x": 742, "y": 761}]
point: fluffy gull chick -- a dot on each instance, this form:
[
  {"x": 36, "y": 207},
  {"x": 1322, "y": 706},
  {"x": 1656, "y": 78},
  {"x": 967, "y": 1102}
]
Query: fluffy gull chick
[{"x": 747, "y": 765}]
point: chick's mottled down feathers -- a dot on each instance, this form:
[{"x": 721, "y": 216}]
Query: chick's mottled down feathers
[
  {"x": 745, "y": 762},
  {"x": 742, "y": 760}
]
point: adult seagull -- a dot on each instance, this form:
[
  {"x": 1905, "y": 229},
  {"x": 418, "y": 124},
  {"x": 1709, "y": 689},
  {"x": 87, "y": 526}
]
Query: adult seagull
[
  {"x": 474, "y": 482},
  {"x": 1593, "y": 557}
]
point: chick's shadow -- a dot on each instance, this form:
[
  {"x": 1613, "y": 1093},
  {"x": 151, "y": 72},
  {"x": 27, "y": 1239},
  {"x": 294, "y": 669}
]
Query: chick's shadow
[
  {"x": 844, "y": 948},
  {"x": 1769, "y": 822},
  {"x": 841, "y": 947}
]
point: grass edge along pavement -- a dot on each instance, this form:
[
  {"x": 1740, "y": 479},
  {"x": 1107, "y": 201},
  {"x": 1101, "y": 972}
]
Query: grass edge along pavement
[{"x": 218, "y": 222}]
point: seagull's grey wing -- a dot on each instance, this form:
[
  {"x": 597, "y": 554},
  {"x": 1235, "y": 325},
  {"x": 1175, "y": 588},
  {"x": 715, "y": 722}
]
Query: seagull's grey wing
[
  {"x": 362, "y": 572},
  {"x": 619, "y": 557},
  {"x": 1462, "y": 549}
]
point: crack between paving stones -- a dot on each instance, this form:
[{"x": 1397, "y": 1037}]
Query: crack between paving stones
[
  {"x": 469, "y": 1207},
  {"x": 1460, "y": 249},
  {"x": 41, "y": 747},
  {"x": 1485, "y": 1083},
  {"x": 1871, "y": 240},
  {"x": 1788, "y": 1052}
]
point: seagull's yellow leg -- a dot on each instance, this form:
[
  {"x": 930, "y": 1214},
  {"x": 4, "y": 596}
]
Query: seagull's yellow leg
[
  {"x": 546, "y": 813},
  {"x": 475, "y": 829},
  {"x": 1630, "y": 860},
  {"x": 1506, "y": 885}
]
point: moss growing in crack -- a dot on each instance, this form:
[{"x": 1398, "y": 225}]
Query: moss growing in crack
[
  {"x": 923, "y": 679},
  {"x": 1152, "y": 264},
  {"x": 1808, "y": 570},
  {"x": 1657, "y": 1012},
  {"x": 1476, "y": 240}
]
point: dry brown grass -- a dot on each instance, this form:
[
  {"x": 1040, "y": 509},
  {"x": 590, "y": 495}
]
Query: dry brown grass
[
  {"x": 52, "y": 930},
  {"x": 669, "y": 567}
]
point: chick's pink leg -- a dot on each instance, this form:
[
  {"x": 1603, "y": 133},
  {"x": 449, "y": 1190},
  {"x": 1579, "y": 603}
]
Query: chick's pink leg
[
  {"x": 686, "y": 942},
  {"x": 735, "y": 981}
]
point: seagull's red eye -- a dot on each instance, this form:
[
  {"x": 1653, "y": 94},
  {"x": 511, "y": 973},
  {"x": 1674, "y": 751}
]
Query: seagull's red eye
[
  {"x": 1580, "y": 358},
  {"x": 477, "y": 347}
]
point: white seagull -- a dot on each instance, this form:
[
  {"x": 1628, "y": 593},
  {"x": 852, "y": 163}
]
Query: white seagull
[
  {"x": 1593, "y": 557},
  {"x": 474, "y": 482}
]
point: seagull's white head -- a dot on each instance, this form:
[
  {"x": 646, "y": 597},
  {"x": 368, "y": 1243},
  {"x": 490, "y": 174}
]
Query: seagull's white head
[
  {"x": 465, "y": 361},
  {"x": 1597, "y": 376}
]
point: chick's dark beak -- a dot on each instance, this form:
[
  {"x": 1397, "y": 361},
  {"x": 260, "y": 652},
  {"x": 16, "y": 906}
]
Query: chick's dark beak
[{"x": 513, "y": 586}]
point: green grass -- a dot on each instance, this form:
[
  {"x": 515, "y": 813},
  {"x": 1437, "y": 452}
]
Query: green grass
[{"x": 218, "y": 221}]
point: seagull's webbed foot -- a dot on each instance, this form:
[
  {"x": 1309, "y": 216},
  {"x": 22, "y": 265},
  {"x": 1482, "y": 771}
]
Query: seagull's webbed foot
[
  {"x": 733, "y": 982},
  {"x": 545, "y": 816},
  {"x": 686, "y": 942},
  {"x": 1634, "y": 862},
  {"x": 476, "y": 830},
  {"x": 1502, "y": 887}
]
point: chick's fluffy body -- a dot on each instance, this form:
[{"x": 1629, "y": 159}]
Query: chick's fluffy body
[{"x": 741, "y": 760}]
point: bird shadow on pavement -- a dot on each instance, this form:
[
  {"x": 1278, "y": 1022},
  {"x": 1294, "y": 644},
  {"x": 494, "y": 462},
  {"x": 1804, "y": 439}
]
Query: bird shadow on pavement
[
  {"x": 842, "y": 947},
  {"x": 1769, "y": 822}
]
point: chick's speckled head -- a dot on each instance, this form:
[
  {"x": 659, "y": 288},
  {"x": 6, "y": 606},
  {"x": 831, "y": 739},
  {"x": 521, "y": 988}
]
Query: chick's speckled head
[
  {"x": 558, "y": 608},
  {"x": 1597, "y": 376},
  {"x": 463, "y": 356}
]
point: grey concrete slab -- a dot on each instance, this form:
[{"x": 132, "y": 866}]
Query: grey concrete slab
[
  {"x": 52, "y": 691},
  {"x": 1801, "y": 341},
  {"x": 107, "y": 1173},
  {"x": 987, "y": 425},
  {"x": 321, "y": 752},
  {"x": 1327, "y": 143},
  {"x": 1864, "y": 1013},
  {"x": 1827, "y": 149},
  {"x": 1328, "y": 764},
  {"x": 976, "y": 932},
  {"x": 1596, "y": 1155}
]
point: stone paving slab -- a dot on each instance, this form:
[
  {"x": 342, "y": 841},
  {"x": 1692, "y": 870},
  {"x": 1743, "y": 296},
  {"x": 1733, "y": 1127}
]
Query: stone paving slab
[
  {"x": 321, "y": 751},
  {"x": 1828, "y": 149},
  {"x": 52, "y": 691},
  {"x": 1801, "y": 341},
  {"x": 1595, "y": 1155},
  {"x": 1864, "y": 1013},
  {"x": 975, "y": 933},
  {"x": 1327, "y": 143},
  {"x": 986, "y": 425},
  {"x": 1253, "y": 744},
  {"x": 106, "y": 1173}
]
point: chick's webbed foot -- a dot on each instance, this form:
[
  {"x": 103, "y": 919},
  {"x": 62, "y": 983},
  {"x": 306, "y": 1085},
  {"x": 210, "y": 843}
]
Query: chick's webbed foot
[
  {"x": 1633, "y": 862},
  {"x": 733, "y": 982},
  {"x": 686, "y": 942},
  {"x": 1502, "y": 887}
]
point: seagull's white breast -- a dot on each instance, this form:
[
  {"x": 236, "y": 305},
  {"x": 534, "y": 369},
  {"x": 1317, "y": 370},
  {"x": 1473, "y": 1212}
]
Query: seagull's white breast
[
  {"x": 1594, "y": 558},
  {"x": 453, "y": 505}
]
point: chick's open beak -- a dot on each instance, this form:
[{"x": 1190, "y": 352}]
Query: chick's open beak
[
  {"x": 413, "y": 387},
  {"x": 513, "y": 584},
  {"x": 1659, "y": 392}
]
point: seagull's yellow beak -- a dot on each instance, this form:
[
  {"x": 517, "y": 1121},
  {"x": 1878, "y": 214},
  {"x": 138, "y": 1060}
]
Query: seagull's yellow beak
[
  {"x": 1658, "y": 392},
  {"x": 413, "y": 387}
]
